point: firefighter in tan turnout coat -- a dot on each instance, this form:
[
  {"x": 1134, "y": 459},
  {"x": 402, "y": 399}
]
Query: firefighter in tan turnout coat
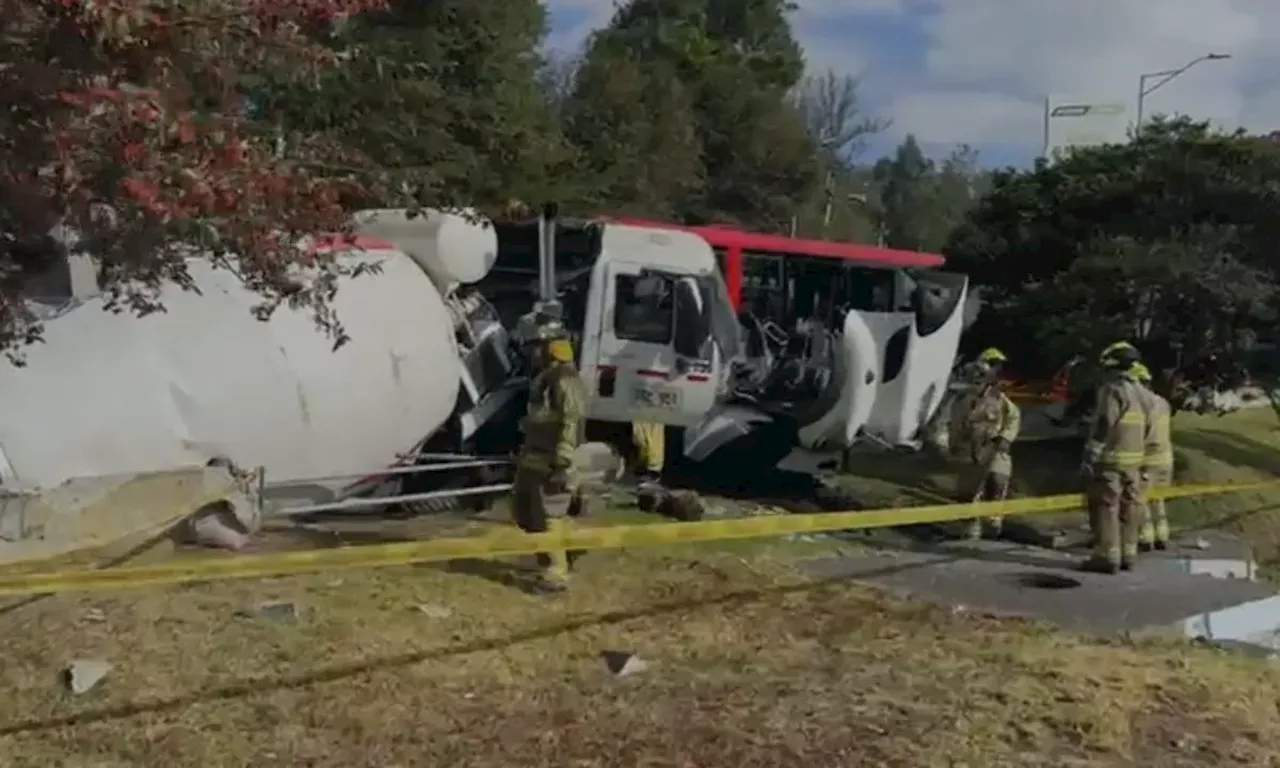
[
  {"x": 553, "y": 429},
  {"x": 984, "y": 425},
  {"x": 1157, "y": 464},
  {"x": 1113, "y": 461}
]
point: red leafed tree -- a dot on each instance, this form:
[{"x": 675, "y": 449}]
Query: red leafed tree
[{"x": 124, "y": 122}]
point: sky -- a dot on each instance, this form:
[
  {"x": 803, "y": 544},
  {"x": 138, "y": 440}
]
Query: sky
[{"x": 978, "y": 71}]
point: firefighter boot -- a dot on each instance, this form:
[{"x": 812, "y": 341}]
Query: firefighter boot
[
  {"x": 1099, "y": 564},
  {"x": 553, "y": 566}
]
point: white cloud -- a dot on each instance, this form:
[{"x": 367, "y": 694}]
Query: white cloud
[
  {"x": 967, "y": 117},
  {"x": 1097, "y": 49},
  {"x": 844, "y": 8},
  {"x": 977, "y": 71}
]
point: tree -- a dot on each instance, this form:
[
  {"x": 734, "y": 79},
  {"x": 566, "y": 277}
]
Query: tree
[
  {"x": 905, "y": 193},
  {"x": 445, "y": 99},
  {"x": 951, "y": 191},
  {"x": 839, "y": 128},
  {"x": 834, "y": 115},
  {"x": 125, "y": 125},
  {"x": 636, "y": 136},
  {"x": 737, "y": 61},
  {"x": 1167, "y": 240}
]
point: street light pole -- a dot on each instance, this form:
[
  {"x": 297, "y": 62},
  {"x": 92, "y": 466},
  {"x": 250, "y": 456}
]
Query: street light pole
[{"x": 1161, "y": 78}]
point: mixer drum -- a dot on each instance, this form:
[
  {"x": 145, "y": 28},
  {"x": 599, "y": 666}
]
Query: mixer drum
[{"x": 109, "y": 394}]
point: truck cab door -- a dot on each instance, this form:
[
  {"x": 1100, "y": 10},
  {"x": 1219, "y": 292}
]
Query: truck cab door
[{"x": 654, "y": 358}]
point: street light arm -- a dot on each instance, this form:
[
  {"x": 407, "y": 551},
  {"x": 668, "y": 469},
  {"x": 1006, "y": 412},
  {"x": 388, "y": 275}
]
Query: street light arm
[{"x": 1167, "y": 75}]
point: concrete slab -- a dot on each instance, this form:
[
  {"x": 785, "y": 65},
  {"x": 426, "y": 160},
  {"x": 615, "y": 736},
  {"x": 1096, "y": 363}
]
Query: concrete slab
[{"x": 1008, "y": 579}]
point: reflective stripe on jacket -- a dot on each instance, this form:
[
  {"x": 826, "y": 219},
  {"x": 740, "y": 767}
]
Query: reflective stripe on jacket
[{"x": 1117, "y": 436}]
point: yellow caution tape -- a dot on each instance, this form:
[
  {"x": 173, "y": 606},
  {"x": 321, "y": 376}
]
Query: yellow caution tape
[{"x": 513, "y": 542}]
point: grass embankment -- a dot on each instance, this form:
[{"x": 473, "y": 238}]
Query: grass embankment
[{"x": 750, "y": 663}]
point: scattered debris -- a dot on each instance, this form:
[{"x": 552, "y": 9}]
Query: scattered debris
[
  {"x": 227, "y": 524},
  {"x": 277, "y": 611},
  {"x": 434, "y": 611},
  {"x": 83, "y": 674},
  {"x": 624, "y": 664},
  {"x": 685, "y": 506},
  {"x": 95, "y": 615},
  {"x": 1201, "y": 544}
]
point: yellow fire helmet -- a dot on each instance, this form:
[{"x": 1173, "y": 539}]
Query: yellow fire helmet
[
  {"x": 992, "y": 355},
  {"x": 560, "y": 350},
  {"x": 1119, "y": 354},
  {"x": 1141, "y": 373}
]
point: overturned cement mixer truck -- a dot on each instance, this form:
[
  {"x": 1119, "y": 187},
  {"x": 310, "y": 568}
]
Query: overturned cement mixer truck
[{"x": 433, "y": 376}]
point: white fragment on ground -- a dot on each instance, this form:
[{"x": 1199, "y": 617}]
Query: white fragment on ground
[
  {"x": 96, "y": 615},
  {"x": 83, "y": 674},
  {"x": 434, "y": 611},
  {"x": 623, "y": 664},
  {"x": 276, "y": 611},
  {"x": 1202, "y": 544}
]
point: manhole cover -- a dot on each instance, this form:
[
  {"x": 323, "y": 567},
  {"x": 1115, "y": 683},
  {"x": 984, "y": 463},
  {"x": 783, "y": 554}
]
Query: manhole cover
[{"x": 1046, "y": 581}]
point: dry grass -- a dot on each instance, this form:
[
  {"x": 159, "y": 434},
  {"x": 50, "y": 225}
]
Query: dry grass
[{"x": 751, "y": 665}]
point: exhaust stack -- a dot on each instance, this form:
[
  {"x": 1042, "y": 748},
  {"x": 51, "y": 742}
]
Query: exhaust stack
[{"x": 548, "y": 306}]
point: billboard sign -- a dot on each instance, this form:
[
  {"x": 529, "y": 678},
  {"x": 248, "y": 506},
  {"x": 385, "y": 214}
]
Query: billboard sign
[{"x": 1072, "y": 122}]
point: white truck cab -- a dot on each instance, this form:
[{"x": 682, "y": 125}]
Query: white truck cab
[
  {"x": 650, "y": 347},
  {"x": 648, "y": 310}
]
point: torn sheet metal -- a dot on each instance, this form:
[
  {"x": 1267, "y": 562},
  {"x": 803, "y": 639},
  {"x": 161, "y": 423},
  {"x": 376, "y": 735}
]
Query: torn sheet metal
[{"x": 119, "y": 512}]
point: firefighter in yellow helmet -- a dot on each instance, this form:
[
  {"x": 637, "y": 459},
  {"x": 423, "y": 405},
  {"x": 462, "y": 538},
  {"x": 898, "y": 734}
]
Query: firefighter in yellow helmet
[
  {"x": 1157, "y": 465},
  {"x": 987, "y": 365},
  {"x": 984, "y": 424},
  {"x": 553, "y": 429},
  {"x": 1113, "y": 458}
]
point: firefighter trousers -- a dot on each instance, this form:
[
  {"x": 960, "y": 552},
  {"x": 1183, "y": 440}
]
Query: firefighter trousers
[
  {"x": 1115, "y": 510},
  {"x": 983, "y": 482},
  {"x": 1155, "y": 518},
  {"x": 538, "y": 511},
  {"x": 650, "y": 443}
]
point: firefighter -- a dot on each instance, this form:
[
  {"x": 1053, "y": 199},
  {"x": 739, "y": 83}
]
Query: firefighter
[
  {"x": 1113, "y": 458},
  {"x": 981, "y": 369},
  {"x": 545, "y": 482},
  {"x": 1157, "y": 466},
  {"x": 985, "y": 367},
  {"x": 984, "y": 424}
]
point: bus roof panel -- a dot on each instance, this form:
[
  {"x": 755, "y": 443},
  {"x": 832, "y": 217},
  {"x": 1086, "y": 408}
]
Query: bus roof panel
[{"x": 729, "y": 237}]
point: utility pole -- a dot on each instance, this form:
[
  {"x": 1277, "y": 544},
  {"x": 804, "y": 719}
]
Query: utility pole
[{"x": 826, "y": 210}]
